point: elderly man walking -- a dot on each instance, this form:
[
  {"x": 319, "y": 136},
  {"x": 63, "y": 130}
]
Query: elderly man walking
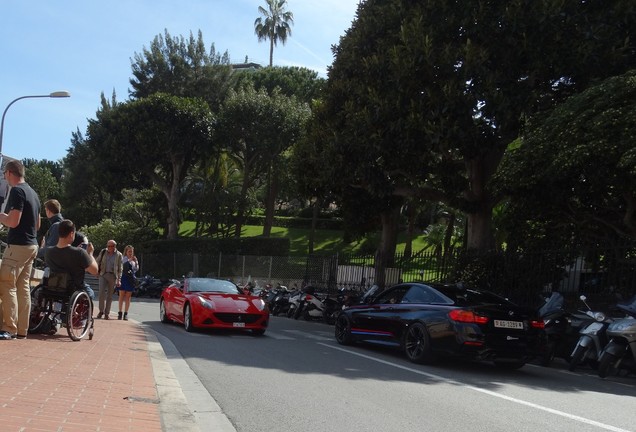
[
  {"x": 23, "y": 219},
  {"x": 109, "y": 261}
]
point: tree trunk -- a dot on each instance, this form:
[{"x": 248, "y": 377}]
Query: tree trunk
[
  {"x": 410, "y": 230},
  {"x": 480, "y": 170},
  {"x": 240, "y": 211},
  {"x": 385, "y": 256},
  {"x": 314, "y": 221},
  {"x": 270, "y": 201}
]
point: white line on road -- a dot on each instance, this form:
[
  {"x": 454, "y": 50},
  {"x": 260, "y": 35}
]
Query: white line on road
[{"x": 480, "y": 390}]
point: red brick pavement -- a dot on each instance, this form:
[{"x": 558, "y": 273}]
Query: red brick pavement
[{"x": 50, "y": 383}]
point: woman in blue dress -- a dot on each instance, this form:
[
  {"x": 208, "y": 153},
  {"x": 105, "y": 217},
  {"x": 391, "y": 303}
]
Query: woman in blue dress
[{"x": 130, "y": 265}]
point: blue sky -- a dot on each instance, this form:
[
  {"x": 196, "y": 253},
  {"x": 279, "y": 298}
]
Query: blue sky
[{"x": 85, "y": 47}]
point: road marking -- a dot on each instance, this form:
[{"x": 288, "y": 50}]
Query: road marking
[
  {"x": 306, "y": 335},
  {"x": 480, "y": 390},
  {"x": 278, "y": 336}
]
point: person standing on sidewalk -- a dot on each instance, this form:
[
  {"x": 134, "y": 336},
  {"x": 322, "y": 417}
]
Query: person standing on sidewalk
[
  {"x": 53, "y": 210},
  {"x": 130, "y": 267},
  {"x": 109, "y": 262},
  {"x": 23, "y": 219}
]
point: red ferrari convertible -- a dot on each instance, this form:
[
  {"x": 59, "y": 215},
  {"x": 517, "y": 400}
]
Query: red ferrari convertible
[{"x": 212, "y": 303}]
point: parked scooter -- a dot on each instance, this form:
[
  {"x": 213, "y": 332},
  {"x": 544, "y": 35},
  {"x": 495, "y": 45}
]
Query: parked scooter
[
  {"x": 345, "y": 298},
  {"x": 592, "y": 340},
  {"x": 620, "y": 352},
  {"x": 313, "y": 306},
  {"x": 149, "y": 286},
  {"x": 295, "y": 304},
  {"x": 561, "y": 329}
]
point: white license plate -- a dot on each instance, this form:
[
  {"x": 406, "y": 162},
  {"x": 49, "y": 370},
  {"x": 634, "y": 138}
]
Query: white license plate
[
  {"x": 509, "y": 324},
  {"x": 238, "y": 324}
]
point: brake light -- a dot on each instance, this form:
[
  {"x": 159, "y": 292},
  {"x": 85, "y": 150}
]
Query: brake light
[
  {"x": 538, "y": 324},
  {"x": 466, "y": 316},
  {"x": 308, "y": 297}
]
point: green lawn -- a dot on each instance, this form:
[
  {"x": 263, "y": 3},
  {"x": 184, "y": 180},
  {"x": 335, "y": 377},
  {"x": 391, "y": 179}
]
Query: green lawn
[{"x": 324, "y": 241}]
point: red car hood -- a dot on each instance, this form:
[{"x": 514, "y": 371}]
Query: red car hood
[{"x": 230, "y": 302}]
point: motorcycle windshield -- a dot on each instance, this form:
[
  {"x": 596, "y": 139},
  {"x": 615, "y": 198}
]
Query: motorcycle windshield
[
  {"x": 554, "y": 303},
  {"x": 629, "y": 306}
]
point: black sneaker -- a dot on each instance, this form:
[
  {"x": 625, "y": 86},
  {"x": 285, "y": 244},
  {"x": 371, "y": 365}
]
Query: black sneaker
[{"x": 5, "y": 335}]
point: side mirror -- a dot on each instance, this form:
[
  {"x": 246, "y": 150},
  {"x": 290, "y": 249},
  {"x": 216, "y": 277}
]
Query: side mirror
[{"x": 583, "y": 297}]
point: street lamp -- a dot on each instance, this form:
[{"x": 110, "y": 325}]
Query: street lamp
[{"x": 56, "y": 94}]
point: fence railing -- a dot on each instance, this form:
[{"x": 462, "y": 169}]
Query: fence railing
[{"x": 521, "y": 277}]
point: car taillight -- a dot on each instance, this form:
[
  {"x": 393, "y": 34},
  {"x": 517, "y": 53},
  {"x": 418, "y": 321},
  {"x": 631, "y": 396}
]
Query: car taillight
[
  {"x": 538, "y": 324},
  {"x": 308, "y": 297},
  {"x": 466, "y": 316}
]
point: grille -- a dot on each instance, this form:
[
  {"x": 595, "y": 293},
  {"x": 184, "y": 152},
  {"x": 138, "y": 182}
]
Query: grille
[{"x": 237, "y": 317}]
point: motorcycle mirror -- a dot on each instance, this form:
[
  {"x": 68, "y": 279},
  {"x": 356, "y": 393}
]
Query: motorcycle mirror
[{"x": 583, "y": 298}]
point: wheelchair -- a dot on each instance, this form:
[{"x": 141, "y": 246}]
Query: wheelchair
[{"x": 58, "y": 303}]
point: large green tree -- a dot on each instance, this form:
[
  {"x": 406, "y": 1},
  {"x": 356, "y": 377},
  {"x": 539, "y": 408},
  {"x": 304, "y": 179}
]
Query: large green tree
[
  {"x": 274, "y": 24},
  {"x": 424, "y": 97},
  {"x": 302, "y": 83},
  {"x": 182, "y": 67},
  {"x": 257, "y": 128},
  {"x": 158, "y": 138},
  {"x": 583, "y": 154}
]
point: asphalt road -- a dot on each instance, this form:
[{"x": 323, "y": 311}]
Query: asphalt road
[{"x": 297, "y": 378}]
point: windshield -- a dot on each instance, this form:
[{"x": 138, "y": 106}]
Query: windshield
[
  {"x": 211, "y": 285},
  {"x": 471, "y": 297},
  {"x": 554, "y": 303}
]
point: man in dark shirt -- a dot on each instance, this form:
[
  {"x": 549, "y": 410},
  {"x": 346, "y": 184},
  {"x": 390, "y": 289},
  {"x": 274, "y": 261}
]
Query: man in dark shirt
[
  {"x": 64, "y": 258},
  {"x": 23, "y": 219}
]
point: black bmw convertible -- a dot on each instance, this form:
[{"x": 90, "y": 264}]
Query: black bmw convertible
[{"x": 429, "y": 321}]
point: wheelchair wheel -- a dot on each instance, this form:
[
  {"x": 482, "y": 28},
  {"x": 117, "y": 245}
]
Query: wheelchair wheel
[
  {"x": 40, "y": 308},
  {"x": 79, "y": 318}
]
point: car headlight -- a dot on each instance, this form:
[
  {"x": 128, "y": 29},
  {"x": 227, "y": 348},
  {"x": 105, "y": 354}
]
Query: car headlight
[
  {"x": 260, "y": 304},
  {"x": 205, "y": 303}
]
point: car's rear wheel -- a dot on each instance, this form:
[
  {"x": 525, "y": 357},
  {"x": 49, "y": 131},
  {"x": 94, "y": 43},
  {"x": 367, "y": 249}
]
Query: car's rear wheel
[
  {"x": 163, "y": 316},
  {"x": 417, "y": 344},
  {"x": 187, "y": 319},
  {"x": 343, "y": 330}
]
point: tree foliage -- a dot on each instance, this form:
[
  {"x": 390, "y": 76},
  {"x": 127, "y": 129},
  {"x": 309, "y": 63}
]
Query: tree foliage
[
  {"x": 158, "y": 138},
  {"x": 181, "y": 67},
  {"x": 302, "y": 83},
  {"x": 424, "y": 97},
  {"x": 257, "y": 128},
  {"x": 583, "y": 153}
]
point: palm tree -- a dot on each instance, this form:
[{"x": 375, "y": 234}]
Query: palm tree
[{"x": 274, "y": 24}]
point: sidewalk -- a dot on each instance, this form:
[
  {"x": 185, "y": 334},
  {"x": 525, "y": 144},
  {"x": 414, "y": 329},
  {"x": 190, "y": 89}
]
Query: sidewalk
[{"x": 119, "y": 381}]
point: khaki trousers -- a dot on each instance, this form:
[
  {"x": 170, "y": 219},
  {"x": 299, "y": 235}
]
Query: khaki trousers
[{"x": 15, "y": 290}]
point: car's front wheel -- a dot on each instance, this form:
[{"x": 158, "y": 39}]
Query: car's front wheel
[
  {"x": 417, "y": 344},
  {"x": 163, "y": 316},
  {"x": 187, "y": 319},
  {"x": 343, "y": 330}
]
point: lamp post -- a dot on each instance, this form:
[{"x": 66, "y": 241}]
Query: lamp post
[{"x": 56, "y": 94}]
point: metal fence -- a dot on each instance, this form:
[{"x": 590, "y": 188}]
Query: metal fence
[{"x": 598, "y": 273}]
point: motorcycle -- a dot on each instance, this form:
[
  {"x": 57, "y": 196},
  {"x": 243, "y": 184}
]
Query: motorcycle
[
  {"x": 344, "y": 299},
  {"x": 620, "y": 352},
  {"x": 313, "y": 308},
  {"x": 592, "y": 340},
  {"x": 561, "y": 329},
  {"x": 295, "y": 304},
  {"x": 150, "y": 286}
]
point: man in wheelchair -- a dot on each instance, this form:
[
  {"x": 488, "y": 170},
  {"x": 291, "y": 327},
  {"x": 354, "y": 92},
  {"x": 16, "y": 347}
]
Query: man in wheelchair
[{"x": 74, "y": 261}]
